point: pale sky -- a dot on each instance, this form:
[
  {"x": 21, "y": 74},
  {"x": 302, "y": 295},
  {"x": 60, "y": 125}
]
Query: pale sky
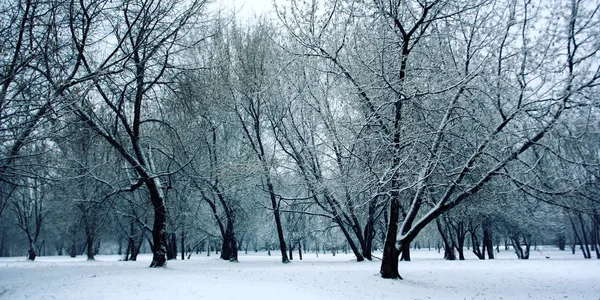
[{"x": 247, "y": 8}]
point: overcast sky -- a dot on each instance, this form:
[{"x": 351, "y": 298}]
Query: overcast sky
[{"x": 247, "y": 8}]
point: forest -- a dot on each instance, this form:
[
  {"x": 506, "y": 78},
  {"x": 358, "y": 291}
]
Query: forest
[{"x": 367, "y": 127}]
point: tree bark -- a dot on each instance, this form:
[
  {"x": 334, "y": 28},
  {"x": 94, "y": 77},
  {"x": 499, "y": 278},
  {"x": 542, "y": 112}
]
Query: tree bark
[
  {"x": 448, "y": 244},
  {"x": 488, "y": 242},
  {"x": 90, "y": 245},
  {"x": 586, "y": 247},
  {"x": 369, "y": 232},
  {"x": 275, "y": 205},
  {"x": 389, "y": 261},
  {"x": 182, "y": 245},
  {"x": 159, "y": 229}
]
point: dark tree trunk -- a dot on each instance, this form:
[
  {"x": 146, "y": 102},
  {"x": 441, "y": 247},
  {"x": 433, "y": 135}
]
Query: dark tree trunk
[
  {"x": 229, "y": 249},
  {"x": 73, "y": 251},
  {"x": 460, "y": 244},
  {"x": 275, "y": 205},
  {"x": 291, "y": 250},
  {"x": 182, "y": 245},
  {"x": 448, "y": 243},
  {"x": 120, "y": 249},
  {"x": 90, "y": 245},
  {"x": 517, "y": 246},
  {"x": 300, "y": 249},
  {"x": 31, "y": 255},
  {"x": 577, "y": 239},
  {"x": 458, "y": 240},
  {"x": 369, "y": 233},
  {"x": 353, "y": 246},
  {"x": 389, "y": 261},
  {"x": 488, "y": 243},
  {"x": 596, "y": 234},
  {"x": 129, "y": 249},
  {"x": 561, "y": 241},
  {"x": 172, "y": 246},
  {"x": 586, "y": 247},
  {"x": 159, "y": 229},
  {"x": 521, "y": 253},
  {"x": 475, "y": 243},
  {"x": 405, "y": 251}
]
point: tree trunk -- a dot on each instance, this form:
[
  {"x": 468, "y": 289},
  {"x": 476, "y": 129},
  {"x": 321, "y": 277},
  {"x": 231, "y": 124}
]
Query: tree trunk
[
  {"x": 596, "y": 234},
  {"x": 172, "y": 246},
  {"x": 90, "y": 245},
  {"x": 275, "y": 205},
  {"x": 488, "y": 243},
  {"x": 349, "y": 239},
  {"x": 159, "y": 229},
  {"x": 73, "y": 251},
  {"x": 300, "y": 249},
  {"x": 229, "y": 249},
  {"x": 389, "y": 260},
  {"x": 586, "y": 247},
  {"x": 291, "y": 250},
  {"x": 475, "y": 243},
  {"x": 517, "y": 246},
  {"x": 448, "y": 244},
  {"x": 369, "y": 233},
  {"x": 460, "y": 249},
  {"x": 577, "y": 238},
  {"x": 31, "y": 255},
  {"x": 405, "y": 251},
  {"x": 561, "y": 241},
  {"x": 182, "y": 245}
]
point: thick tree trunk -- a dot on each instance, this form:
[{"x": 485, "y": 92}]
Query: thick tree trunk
[
  {"x": 229, "y": 249},
  {"x": 31, "y": 254},
  {"x": 90, "y": 245},
  {"x": 159, "y": 229},
  {"x": 389, "y": 261},
  {"x": 300, "y": 249},
  {"x": 488, "y": 242},
  {"x": 369, "y": 233},
  {"x": 405, "y": 251},
  {"x": 291, "y": 250},
  {"x": 460, "y": 249}
]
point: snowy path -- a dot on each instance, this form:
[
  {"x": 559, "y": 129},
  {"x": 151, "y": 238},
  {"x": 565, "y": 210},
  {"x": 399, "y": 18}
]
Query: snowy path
[{"x": 258, "y": 276}]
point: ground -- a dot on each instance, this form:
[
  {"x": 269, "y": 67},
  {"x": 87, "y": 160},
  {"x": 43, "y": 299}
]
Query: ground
[{"x": 259, "y": 276}]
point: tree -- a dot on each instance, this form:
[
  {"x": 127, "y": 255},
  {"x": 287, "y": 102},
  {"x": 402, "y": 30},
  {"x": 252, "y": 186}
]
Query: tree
[
  {"x": 123, "y": 105},
  {"x": 451, "y": 88},
  {"x": 252, "y": 95}
]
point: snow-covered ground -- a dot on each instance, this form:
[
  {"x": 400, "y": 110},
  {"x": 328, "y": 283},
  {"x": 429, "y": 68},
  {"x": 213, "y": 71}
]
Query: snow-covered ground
[{"x": 258, "y": 276}]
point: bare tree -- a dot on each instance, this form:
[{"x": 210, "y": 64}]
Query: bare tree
[
  {"x": 253, "y": 92},
  {"x": 451, "y": 87},
  {"x": 123, "y": 107}
]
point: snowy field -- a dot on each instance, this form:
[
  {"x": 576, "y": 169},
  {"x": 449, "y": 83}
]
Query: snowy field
[{"x": 262, "y": 277}]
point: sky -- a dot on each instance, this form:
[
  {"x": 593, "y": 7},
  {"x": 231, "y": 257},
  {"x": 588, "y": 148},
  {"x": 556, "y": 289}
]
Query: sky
[{"x": 247, "y": 8}]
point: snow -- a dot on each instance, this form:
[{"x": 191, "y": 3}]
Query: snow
[{"x": 258, "y": 276}]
